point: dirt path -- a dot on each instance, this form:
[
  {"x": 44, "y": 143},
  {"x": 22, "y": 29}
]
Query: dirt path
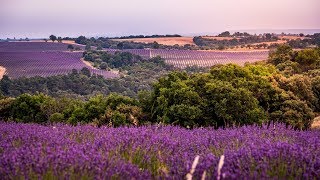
[
  {"x": 316, "y": 123},
  {"x": 2, "y": 71},
  {"x": 91, "y": 66},
  {"x": 88, "y": 64}
]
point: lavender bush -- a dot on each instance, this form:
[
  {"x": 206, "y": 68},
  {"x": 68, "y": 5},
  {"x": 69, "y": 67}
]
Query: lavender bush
[{"x": 152, "y": 152}]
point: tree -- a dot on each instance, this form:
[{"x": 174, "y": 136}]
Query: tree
[
  {"x": 56, "y": 118},
  {"x": 224, "y": 34},
  {"x": 103, "y": 65},
  {"x": 155, "y": 45},
  {"x": 53, "y": 38},
  {"x": 99, "y": 47},
  {"x": 316, "y": 91},
  {"x": 85, "y": 71},
  {"x": 81, "y": 40},
  {"x": 5, "y": 107},
  {"x": 264, "y": 45},
  {"x": 282, "y": 54},
  {"x": 233, "y": 106},
  {"x": 308, "y": 59},
  {"x": 268, "y": 36},
  {"x": 5, "y": 85},
  {"x": 120, "y": 45},
  {"x": 70, "y": 47},
  {"x": 27, "y": 108},
  {"x": 59, "y": 39},
  {"x": 88, "y": 47}
]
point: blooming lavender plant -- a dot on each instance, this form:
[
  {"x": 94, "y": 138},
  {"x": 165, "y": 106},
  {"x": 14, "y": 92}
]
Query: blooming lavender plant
[{"x": 150, "y": 152}]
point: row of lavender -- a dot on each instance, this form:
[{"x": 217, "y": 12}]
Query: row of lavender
[
  {"x": 156, "y": 152},
  {"x": 30, "y": 64}
]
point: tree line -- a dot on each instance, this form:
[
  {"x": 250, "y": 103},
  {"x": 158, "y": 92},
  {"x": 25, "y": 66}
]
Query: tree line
[
  {"x": 146, "y": 36},
  {"x": 204, "y": 42}
]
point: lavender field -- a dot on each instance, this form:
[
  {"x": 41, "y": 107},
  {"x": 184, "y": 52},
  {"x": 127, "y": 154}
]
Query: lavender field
[
  {"x": 28, "y": 59},
  {"x": 157, "y": 152},
  {"x": 185, "y": 58}
]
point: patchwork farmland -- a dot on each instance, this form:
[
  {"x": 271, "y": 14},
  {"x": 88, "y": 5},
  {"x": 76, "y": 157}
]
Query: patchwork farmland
[{"x": 28, "y": 59}]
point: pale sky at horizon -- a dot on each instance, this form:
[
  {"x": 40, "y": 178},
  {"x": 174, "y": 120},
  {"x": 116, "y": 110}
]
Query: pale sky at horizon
[{"x": 39, "y": 18}]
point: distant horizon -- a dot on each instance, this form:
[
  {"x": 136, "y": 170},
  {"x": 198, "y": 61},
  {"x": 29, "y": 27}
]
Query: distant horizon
[
  {"x": 250, "y": 31},
  {"x": 91, "y": 18}
]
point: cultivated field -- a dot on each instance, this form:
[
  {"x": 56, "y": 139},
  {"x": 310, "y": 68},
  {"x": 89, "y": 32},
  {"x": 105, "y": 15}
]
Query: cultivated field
[
  {"x": 157, "y": 152},
  {"x": 184, "y": 58},
  {"x": 28, "y": 59},
  {"x": 170, "y": 41}
]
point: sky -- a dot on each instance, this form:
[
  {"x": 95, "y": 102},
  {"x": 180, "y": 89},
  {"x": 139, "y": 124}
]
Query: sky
[{"x": 40, "y": 18}]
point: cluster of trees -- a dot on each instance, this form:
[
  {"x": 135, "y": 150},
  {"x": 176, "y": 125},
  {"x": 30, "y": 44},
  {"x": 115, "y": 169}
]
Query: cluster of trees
[
  {"x": 229, "y": 95},
  {"x": 75, "y": 84},
  {"x": 232, "y": 95},
  {"x": 54, "y": 38},
  {"x": 113, "y": 110},
  {"x": 246, "y": 40},
  {"x": 311, "y": 40},
  {"x": 105, "y": 60},
  {"x": 143, "y": 36},
  {"x": 284, "y": 89},
  {"x": 294, "y": 62},
  {"x": 236, "y": 34},
  {"x": 80, "y": 85},
  {"x": 206, "y": 43}
]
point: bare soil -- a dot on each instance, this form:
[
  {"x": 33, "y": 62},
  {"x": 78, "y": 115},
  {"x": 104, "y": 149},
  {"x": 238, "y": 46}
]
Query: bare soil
[
  {"x": 2, "y": 71},
  {"x": 316, "y": 123},
  {"x": 88, "y": 64}
]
